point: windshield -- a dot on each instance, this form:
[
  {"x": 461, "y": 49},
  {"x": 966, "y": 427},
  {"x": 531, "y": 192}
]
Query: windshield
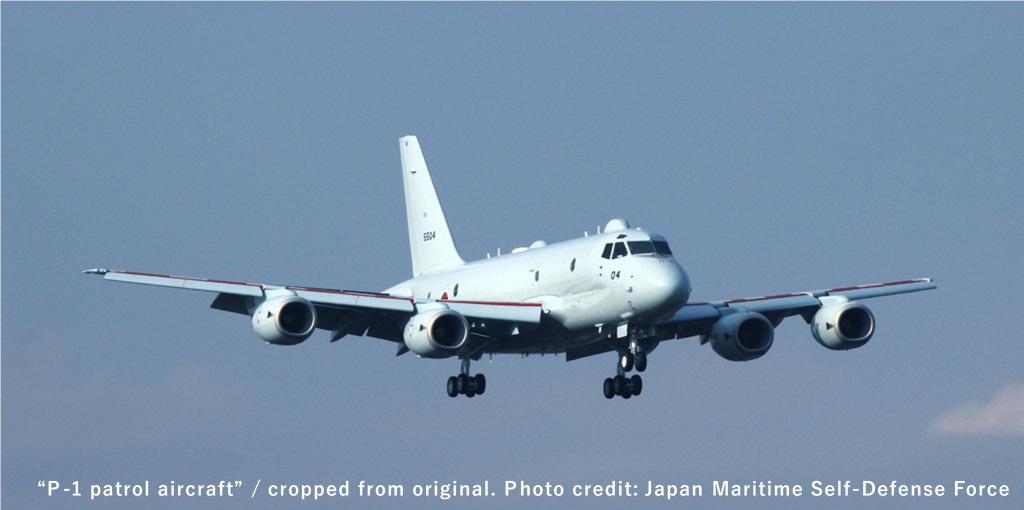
[
  {"x": 641, "y": 247},
  {"x": 662, "y": 248},
  {"x": 619, "y": 249}
]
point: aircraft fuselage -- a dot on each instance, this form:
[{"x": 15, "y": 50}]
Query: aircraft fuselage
[{"x": 584, "y": 285}]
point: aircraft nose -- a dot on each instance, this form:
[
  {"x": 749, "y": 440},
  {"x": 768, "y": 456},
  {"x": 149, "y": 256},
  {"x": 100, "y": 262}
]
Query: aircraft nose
[{"x": 663, "y": 287}]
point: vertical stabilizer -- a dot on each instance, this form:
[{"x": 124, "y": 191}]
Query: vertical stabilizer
[{"x": 430, "y": 240}]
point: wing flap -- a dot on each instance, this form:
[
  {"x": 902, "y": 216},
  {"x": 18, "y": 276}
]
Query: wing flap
[
  {"x": 231, "y": 303},
  {"x": 510, "y": 312},
  {"x": 350, "y": 299}
]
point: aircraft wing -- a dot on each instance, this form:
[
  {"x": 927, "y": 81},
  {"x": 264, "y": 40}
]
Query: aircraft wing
[
  {"x": 698, "y": 318},
  {"x": 343, "y": 312}
]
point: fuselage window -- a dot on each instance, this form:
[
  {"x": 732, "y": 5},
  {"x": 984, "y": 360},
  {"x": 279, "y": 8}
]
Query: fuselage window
[
  {"x": 455, "y": 291},
  {"x": 607, "y": 251},
  {"x": 572, "y": 266},
  {"x": 661, "y": 247},
  {"x": 640, "y": 247},
  {"x": 620, "y": 250},
  {"x": 536, "y": 276}
]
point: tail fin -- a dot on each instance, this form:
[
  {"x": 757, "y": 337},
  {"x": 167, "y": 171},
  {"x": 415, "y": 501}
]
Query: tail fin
[{"x": 430, "y": 240}]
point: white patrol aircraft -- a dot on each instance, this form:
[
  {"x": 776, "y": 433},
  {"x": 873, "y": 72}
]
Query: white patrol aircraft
[{"x": 619, "y": 291}]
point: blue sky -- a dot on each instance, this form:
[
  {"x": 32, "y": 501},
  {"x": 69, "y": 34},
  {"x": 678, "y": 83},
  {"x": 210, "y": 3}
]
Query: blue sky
[{"x": 779, "y": 147}]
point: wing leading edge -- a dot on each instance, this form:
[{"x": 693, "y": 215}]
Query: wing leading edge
[
  {"x": 698, "y": 318},
  {"x": 343, "y": 312}
]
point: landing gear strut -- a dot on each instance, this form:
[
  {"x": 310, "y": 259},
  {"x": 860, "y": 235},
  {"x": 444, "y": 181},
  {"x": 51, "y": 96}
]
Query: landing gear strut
[{"x": 463, "y": 384}]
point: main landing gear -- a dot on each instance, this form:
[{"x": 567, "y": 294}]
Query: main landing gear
[
  {"x": 623, "y": 386},
  {"x": 463, "y": 384}
]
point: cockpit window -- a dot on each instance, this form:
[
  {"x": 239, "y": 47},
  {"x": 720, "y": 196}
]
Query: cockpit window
[
  {"x": 641, "y": 247},
  {"x": 620, "y": 250},
  {"x": 661, "y": 247}
]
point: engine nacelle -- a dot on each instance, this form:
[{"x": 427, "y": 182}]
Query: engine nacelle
[
  {"x": 742, "y": 336},
  {"x": 436, "y": 333},
  {"x": 284, "y": 320},
  {"x": 843, "y": 325}
]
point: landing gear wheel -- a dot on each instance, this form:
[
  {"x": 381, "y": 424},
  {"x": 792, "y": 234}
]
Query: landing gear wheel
[
  {"x": 622, "y": 386},
  {"x": 464, "y": 384},
  {"x": 636, "y": 385},
  {"x": 626, "y": 361},
  {"x": 609, "y": 388},
  {"x": 641, "y": 361},
  {"x": 619, "y": 384},
  {"x": 453, "y": 386},
  {"x": 627, "y": 388}
]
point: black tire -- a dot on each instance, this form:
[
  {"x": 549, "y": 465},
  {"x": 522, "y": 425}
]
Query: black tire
[
  {"x": 641, "y": 362},
  {"x": 609, "y": 388},
  {"x": 479, "y": 384},
  {"x": 619, "y": 383},
  {"x": 453, "y": 387},
  {"x": 636, "y": 385},
  {"x": 463, "y": 383}
]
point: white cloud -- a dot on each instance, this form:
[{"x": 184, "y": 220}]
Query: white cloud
[{"x": 1002, "y": 416}]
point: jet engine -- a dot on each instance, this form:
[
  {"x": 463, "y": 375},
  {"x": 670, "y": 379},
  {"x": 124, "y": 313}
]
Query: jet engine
[
  {"x": 284, "y": 320},
  {"x": 742, "y": 336},
  {"x": 843, "y": 325},
  {"x": 436, "y": 333}
]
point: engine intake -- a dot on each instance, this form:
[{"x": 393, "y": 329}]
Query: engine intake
[
  {"x": 436, "y": 333},
  {"x": 284, "y": 320},
  {"x": 742, "y": 336},
  {"x": 843, "y": 325}
]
